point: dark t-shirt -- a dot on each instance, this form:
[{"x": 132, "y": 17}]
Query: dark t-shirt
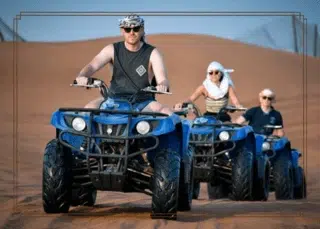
[{"x": 257, "y": 119}]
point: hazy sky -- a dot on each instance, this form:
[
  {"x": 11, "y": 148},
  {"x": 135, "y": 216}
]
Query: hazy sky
[{"x": 62, "y": 28}]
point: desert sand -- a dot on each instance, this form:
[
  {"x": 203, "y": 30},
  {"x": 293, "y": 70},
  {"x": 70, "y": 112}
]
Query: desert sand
[{"x": 44, "y": 72}]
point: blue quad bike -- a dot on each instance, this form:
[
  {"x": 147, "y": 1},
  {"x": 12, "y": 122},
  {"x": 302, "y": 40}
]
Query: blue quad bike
[
  {"x": 287, "y": 178},
  {"x": 117, "y": 148},
  {"x": 225, "y": 157}
]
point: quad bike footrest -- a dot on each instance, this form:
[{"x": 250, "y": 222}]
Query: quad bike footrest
[{"x": 108, "y": 181}]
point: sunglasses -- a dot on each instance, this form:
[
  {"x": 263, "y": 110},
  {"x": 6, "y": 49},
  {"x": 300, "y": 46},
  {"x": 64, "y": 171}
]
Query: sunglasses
[
  {"x": 135, "y": 29},
  {"x": 268, "y": 98},
  {"x": 215, "y": 72}
]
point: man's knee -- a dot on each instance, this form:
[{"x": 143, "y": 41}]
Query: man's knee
[
  {"x": 163, "y": 109},
  {"x": 94, "y": 103},
  {"x": 166, "y": 110},
  {"x": 91, "y": 104},
  {"x": 158, "y": 107}
]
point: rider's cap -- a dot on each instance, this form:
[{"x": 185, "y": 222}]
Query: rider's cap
[
  {"x": 132, "y": 20},
  {"x": 268, "y": 92}
]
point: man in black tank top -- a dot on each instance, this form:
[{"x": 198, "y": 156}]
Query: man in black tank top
[{"x": 135, "y": 65}]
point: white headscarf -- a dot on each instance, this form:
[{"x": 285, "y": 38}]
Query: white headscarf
[{"x": 213, "y": 90}]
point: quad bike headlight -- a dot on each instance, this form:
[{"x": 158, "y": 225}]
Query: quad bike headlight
[
  {"x": 143, "y": 127},
  {"x": 266, "y": 146},
  {"x": 78, "y": 124},
  {"x": 224, "y": 136}
]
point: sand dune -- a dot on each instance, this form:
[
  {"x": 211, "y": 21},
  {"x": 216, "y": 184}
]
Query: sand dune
[{"x": 44, "y": 72}]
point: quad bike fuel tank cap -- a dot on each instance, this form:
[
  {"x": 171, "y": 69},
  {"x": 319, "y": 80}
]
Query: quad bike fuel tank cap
[{"x": 201, "y": 120}]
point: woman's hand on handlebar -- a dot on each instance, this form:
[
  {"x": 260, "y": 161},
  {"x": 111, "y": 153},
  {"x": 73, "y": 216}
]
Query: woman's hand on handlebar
[{"x": 178, "y": 106}]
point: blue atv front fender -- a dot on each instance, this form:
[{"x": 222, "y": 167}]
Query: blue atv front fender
[
  {"x": 280, "y": 143},
  {"x": 241, "y": 133}
]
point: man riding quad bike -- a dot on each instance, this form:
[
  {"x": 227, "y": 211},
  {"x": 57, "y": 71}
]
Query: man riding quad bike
[
  {"x": 287, "y": 178},
  {"x": 116, "y": 135},
  {"x": 225, "y": 157}
]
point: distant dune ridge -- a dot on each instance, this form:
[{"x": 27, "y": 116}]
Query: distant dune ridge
[{"x": 45, "y": 71}]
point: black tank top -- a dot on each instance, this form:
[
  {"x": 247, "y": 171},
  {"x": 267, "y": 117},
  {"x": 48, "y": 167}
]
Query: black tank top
[{"x": 135, "y": 65}]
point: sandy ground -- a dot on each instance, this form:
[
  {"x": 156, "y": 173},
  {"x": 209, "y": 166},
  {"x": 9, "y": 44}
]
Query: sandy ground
[{"x": 44, "y": 72}]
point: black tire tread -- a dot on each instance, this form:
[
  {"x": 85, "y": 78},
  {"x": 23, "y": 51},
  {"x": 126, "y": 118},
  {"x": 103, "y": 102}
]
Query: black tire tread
[
  {"x": 185, "y": 192},
  {"x": 242, "y": 176},
  {"x": 283, "y": 184},
  {"x": 56, "y": 189},
  {"x": 165, "y": 185},
  {"x": 186, "y": 188},
  {"x": 261, "y": 186},
  {"x": 300, "y": 192}
]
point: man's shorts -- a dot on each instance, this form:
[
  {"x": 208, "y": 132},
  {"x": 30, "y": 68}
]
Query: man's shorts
[
  {"x": 137, "y": 106},
  {"x": 141, "y": 105}
]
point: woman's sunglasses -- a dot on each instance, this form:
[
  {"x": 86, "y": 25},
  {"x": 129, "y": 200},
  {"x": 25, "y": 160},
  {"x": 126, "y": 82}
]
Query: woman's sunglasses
[
  {"x": 215, "y": 72},
  {"x": 135, "y": 29}
]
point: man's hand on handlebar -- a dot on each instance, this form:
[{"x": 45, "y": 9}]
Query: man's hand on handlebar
[
  {"x": 235, "y": 108},
  {"x": 88, "y": 82},
  {"x": 82, "y": 80},
  {"x": 158, "y": 89},
  {"x": 162, "y": 88}
]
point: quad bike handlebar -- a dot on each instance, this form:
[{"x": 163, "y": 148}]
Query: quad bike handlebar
[
  {"x": 232, "y": 109},
  {"x": 273, "y": 137},
  {"x": 275, "y": 127},
  {"x": 97, "y": 83},
  {"x": 192, "y": 106},
  {"x": 153, "y": 89},
  {"x": 94, "y": 83},
  {"x": 186, "y": 107}
]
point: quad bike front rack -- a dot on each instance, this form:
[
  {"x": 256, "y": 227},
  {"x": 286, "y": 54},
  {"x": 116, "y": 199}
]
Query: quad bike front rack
[{"x": 116, "y": 173}]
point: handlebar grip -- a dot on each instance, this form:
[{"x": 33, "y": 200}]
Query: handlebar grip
[{"x": 74, "y": 81}]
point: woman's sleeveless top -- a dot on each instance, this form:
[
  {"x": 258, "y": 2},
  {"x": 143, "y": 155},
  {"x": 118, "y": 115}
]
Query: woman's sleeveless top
[{"x": 214, "y": 106}]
